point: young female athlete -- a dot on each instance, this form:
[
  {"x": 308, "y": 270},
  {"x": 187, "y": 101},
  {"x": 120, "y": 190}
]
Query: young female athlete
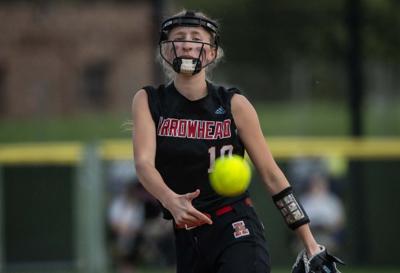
[{"x": 179, "y": 130}]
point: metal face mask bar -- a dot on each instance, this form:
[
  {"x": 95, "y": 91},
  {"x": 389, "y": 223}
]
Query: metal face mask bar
[
  {"x": 184, "y": 65},
  {"x": 189, "y": 19}
]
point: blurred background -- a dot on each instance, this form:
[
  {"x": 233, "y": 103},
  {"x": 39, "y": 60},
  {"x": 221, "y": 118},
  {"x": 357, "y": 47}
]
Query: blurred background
[{"x": 323, "y": 76}]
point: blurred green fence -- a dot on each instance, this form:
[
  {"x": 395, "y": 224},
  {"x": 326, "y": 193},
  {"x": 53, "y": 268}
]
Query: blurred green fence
[{"x": 53, "y": 201}]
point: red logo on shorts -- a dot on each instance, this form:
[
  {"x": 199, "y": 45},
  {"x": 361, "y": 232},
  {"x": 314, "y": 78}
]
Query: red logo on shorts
[{"x": 240, "y": 229}]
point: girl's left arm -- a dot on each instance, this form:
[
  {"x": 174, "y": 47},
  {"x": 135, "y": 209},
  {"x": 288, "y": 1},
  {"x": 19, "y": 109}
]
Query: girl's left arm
[{"x": 250, "y": 132}]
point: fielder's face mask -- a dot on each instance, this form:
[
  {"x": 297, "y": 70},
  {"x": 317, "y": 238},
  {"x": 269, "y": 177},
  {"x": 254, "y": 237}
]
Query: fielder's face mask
[{"x": 181, "y": 64}]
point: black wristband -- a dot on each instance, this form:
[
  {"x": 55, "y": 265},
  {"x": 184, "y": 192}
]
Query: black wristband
[{"x": 290, "y": 208}]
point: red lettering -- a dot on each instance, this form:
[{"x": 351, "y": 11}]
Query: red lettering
[
  {"x": 218, "y": 132},
  {"x": 209, "y": 129},
  {"x": 163, "y": 131},
  {"x": 200, "y": 129},
  {"x": 227, "y": 128},
  {"x": 191, "y": 131},
  {"x": 173, "y": 127},
  {"x": 182, "y": 128}
]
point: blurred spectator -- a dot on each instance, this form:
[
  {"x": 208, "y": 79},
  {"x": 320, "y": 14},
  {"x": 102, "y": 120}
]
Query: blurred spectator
[
  {"x": 126, "y": 219},
  {"x": 158, "y": 246},
  {"x": 137, "y": 232},
  {"x": 156, "y": 238},
  {"x": 325, "y": 210},
  {"x": 301, "y": 168},
  {"x": 119, "y": 173}
]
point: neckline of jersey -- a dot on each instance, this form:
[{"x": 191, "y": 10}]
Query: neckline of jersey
[{"x": 189, "y": 100}]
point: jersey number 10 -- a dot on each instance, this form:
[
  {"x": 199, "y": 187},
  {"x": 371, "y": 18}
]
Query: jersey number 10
[{"x": 226, "y": 150}]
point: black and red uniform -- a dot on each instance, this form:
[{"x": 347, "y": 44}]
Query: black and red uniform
[{"x": 190, "y": 136}]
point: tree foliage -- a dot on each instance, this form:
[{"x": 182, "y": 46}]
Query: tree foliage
[
  {"x": 262, "y": 38},
  {"x": 274, "y": 30}
]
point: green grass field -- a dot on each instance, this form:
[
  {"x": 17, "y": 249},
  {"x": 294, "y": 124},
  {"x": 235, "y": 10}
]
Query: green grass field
[{"x": 277, "y": 119}]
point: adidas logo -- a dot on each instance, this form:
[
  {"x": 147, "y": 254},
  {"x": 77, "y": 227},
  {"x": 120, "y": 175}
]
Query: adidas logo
[{"x": 220, "y": 110}]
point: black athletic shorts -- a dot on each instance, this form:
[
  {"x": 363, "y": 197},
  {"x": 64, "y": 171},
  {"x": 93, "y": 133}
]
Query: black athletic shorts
[{"x": 234, "y": 243}]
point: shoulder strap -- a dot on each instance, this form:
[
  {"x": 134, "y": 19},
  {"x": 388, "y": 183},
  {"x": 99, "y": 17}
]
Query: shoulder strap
[
  {"x": 224, "y": 94},
  {"x": 153, "y": 97},
  {"x": 233, "y": 90}
]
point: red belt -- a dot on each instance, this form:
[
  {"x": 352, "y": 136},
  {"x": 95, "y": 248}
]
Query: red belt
[{"x": 219, "y": 212}]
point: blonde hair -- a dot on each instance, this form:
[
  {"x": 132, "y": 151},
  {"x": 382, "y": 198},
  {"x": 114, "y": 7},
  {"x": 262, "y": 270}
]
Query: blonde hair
[{"x": 168, "y": 70}]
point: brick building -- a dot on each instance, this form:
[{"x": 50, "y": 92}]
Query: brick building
[{"x": 63, "y": 59}]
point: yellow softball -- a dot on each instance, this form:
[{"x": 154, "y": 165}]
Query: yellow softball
[{"x": 231, "y": 175}]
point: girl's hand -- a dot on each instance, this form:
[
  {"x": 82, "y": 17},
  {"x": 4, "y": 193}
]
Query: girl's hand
[{"x": 183, "y": 211}]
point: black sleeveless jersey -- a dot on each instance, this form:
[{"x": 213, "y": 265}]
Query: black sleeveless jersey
[{"x": 190, "y": 136}]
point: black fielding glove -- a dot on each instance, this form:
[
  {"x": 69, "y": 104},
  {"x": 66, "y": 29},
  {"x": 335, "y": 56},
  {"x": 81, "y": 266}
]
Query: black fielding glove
[
  {"x": 299, "y": 265},
  {"x": 322, "y": 262}
]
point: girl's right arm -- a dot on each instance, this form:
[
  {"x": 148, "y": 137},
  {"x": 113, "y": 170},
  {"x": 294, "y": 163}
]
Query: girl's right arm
[{"x": 144, "y": 143}]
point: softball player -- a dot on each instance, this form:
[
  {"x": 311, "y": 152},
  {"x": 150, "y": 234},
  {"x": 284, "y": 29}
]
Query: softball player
[{"x": 179, "y": 130}]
